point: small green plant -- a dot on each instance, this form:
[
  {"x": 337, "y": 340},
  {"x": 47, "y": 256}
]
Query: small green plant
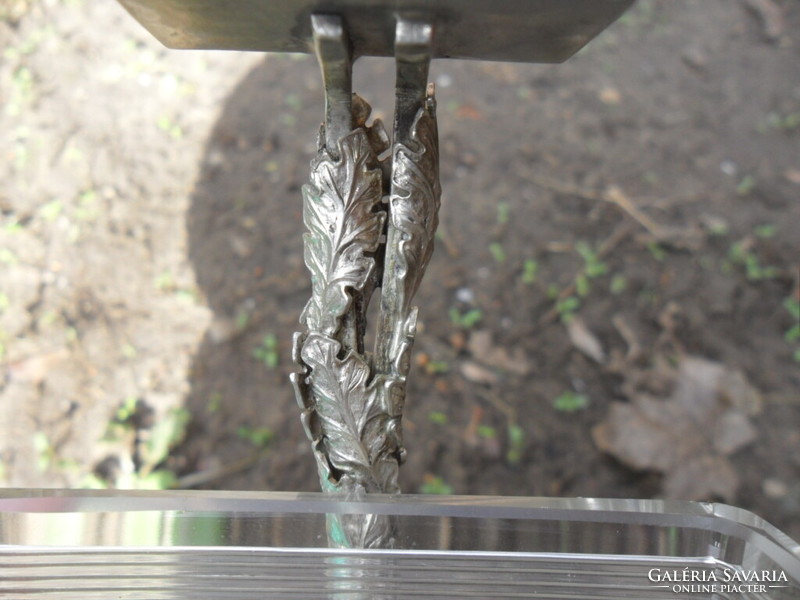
[
  {"x": 127, "y": 410},
  {"x": 436, "y": 367},
  {"x": 51, "y": 210},
  {"x": 792, "y": 305},
  {"x": 741, "y": 254},
  {"x": 516, "y": 443},
  {"x": 497, "y": 252},
  {"x": 553, "y": 291},
  {"x": 438, "y": 418},
  {"x": 8, "y": 257},
  {"x": 22, "y": 92},
  {"x": 618, "y": 284},
  {"x": 167, "y": 432},
  {"x": 570, "y": 402},
  {"x": 172, "y": 129},
  {"x": 13, "y": 226},
  {"x": 529, "y": 270},
  {"x": 44, "y": 451},
  {"x": 566, "y": 308},
  {"x": 129, "y": 351},
  {"x": 746, "y": 185},
  {"x": 503, "y": 213},
  {"x": 259, "y": 436},
  {"x": 467, "y": 320},
  {"x": 433, "y": 484},
  {"x": 165, "y": 281},
  {"x": 582, "y": 285},
  {"x": 718, "y": 228},
  {"x": 593, "y": 266},
  {"x": 87, "y": 209},
  {"x": 242, "y": 319},
  {"x": 780, "y": 122},
  {"x": 765, "y": 231},
  {"x": 487, "y": 432},
  {"x": 657, "y": 251},
  {"x": 267, "y": 352}
]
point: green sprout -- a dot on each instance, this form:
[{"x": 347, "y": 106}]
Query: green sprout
[
  {"x": 516, "y": 444},
  {"x": 656, "y": 251},
  {"x": 51, "y": 210},
  {"x": 582, "y": 285},
  {"x": 467, "y": 320},
  {"x": 529, "y": 269},
  {"x": 618, "y": 284},
  {"x": 765, "y": 231},
  {"x": 436, "y": 367},
  {"x": 437, "y": 417},
  {"x": 259, "y": 436},
  {"x": 487, "y": 432},
  {"x": 593, "y": 266},
  {"x": 502, "y": 213},
  {"x": 780, "y": 122},
  {"x": 267, "y": 352},
  {"x": 434, "y": 484},
  {"x": 792, "y": 305},
  {"x": 741, "y": 255},
  {"x": 166, "y": 125},
  {"x": 566, "y": 308},
  {"x": 746, "y": 185},
  {"x": 497, "y": 252},
  {"x": 570, "y": 402}
]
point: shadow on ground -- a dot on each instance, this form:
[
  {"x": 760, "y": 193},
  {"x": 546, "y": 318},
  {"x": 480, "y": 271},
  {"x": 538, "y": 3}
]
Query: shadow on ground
[{"x": 540, "y": 164}]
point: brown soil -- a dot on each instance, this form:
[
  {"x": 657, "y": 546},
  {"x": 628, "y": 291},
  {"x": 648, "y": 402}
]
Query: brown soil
[{"x": 151, "y": 239}]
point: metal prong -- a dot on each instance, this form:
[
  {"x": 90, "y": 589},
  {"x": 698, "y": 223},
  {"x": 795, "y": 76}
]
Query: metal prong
[
  {"x": 332, "y": 48},
  {"x": 413, "y": 48}
]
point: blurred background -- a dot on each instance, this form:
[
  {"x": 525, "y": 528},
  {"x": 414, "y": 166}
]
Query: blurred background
[{"x": 613, "y": 308}]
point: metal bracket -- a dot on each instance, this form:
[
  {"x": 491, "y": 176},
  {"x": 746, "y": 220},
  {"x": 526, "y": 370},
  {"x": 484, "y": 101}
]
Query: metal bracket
[
  {"x": 357, "y": 239},
  {"x": 332, "y": 48}
]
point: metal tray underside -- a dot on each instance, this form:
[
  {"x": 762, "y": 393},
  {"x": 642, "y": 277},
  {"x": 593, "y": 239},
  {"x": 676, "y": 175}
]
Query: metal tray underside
[{"x": 548, "y": 31}]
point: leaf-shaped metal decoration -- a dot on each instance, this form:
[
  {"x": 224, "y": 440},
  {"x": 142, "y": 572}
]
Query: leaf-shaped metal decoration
[
  {"x": 352, "y": 405},
  {"x": 345, "y": 403},
  {"x": 413, "y": 219},
  {"x": 414, "y": 203},
  {"x": 340, "y": 211}
]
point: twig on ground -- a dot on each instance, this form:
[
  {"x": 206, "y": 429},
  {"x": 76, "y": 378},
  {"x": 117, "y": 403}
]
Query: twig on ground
[
  {"x": 209, "y": 475},
  {"x": 615, "y": 195},
  {"x": 771, "y": 16},
  {"x": 629, "y": 335}
]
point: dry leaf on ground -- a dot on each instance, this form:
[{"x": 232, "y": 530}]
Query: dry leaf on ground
[
  {"x": 689, "y": 435},
  {"x": 483, "y": 349},
  {"x": 584, "y": 340}
]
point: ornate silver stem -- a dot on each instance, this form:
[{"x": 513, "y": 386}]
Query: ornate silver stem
[{"x": 356, "y": 241}]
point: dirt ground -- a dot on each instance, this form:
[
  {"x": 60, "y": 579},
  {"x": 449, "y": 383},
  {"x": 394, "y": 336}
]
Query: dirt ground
[{"x": 612, "y": 309}]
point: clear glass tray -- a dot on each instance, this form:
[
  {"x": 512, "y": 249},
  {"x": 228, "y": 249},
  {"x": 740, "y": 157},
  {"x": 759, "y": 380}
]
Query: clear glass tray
[{"x": 60, "y": 544}]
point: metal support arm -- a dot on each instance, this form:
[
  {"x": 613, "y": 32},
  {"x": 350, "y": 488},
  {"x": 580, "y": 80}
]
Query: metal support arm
[{"x": 359, "y": 239}]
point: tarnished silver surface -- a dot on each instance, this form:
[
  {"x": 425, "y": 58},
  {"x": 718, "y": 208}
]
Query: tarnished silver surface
[
  {"x": 511, "y": 30},
  {"x": 352, "y": 400}
]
